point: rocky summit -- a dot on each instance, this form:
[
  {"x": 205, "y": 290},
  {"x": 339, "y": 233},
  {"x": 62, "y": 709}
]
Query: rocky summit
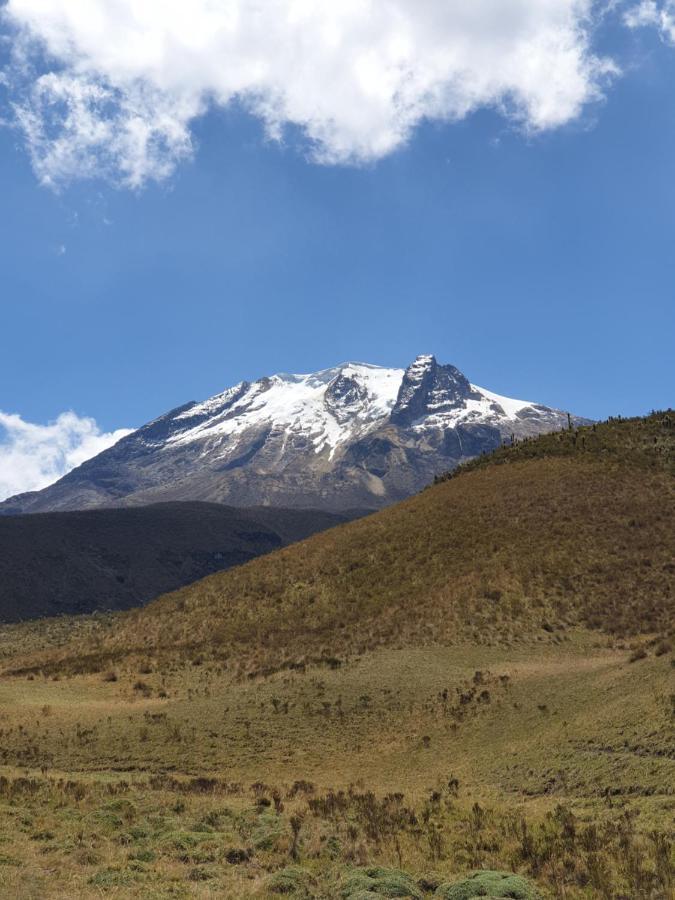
[{"x": 353, "y": 437}]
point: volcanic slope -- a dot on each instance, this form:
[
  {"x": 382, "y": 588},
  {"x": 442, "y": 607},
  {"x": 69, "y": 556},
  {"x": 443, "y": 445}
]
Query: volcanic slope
[{"x": 477, "y": 678}]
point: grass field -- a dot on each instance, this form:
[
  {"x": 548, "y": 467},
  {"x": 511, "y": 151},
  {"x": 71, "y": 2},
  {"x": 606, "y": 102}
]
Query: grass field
[
  {"x": 147, "y": 785},
  {"x": 479, "y": 678}
]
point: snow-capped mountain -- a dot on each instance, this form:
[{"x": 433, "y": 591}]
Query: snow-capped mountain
[
  {"x": 356, "y": 436},
  {"x": 326, "y": 409}
]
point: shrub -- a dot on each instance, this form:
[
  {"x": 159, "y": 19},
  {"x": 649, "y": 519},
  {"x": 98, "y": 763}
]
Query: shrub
[
  {"x": 489, "y": 884},
  {"x": 112, "y": 877},
  {"x": 268, "y": 831},
  {"x": 199, "y": 874},
  {"x": 144, "y": 856},
  {"x": 365, "y": 895},
  {"x": 378, "y": 882},
  {"x": 237, "y": 855},
  {"x": 301, "y": 787},
  {"x": 86, "y": 857},
  {"x": 291, "y": 880}
]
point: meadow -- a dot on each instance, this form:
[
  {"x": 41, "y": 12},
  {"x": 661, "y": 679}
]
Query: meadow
[{"x": 478, "y": 679}]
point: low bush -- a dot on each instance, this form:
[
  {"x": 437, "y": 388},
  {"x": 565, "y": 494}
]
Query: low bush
[
  {"x": 291, "y": 880},
  {"x": 663, "y": 647},
  {"x": 489, "y": 884},
  {"x": 379, "y": 882},
  {"x": 269, "y": 829}
]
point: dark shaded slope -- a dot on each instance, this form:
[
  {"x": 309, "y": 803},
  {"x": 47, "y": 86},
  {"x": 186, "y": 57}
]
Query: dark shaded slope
[{"x": 70, "y": 562}]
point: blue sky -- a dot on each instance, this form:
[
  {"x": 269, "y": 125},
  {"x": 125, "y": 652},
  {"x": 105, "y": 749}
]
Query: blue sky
[{"x": 539, "y": 261}]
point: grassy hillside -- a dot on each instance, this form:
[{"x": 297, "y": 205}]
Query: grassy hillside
[
  {"x": 645, "y": 442},
  {"x": 503, "y": 552},
  {"x": 76, "y": 562},
  {"x": 478, "y": 678}
]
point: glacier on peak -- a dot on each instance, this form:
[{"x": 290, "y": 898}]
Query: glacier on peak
[
  {"x": 334, "y": 406},
  {"x": 310, "y": 404}
]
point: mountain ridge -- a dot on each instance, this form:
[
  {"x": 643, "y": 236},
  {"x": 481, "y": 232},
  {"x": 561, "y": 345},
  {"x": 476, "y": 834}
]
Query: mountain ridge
[{"x": 354, "y": 436}]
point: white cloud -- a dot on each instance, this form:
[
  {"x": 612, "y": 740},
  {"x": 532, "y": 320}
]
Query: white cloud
[
  {"x": 33, "y": 456},
  {"x": 660, "y": 15},
  {"x": 125, "y": 81}
]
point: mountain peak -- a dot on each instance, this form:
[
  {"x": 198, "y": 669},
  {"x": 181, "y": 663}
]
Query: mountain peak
[
  {"x": 423, "y": 361},
  {"x": 428, "y": 388},
  {"x": 352, "y": 436}
]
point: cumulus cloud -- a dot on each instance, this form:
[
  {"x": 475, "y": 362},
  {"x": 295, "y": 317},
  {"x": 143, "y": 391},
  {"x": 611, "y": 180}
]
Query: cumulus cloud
[
  {"x": 114, "y": 88},
  {"x": 660, "y": 15},
  {"x": 33, "y": 456}
]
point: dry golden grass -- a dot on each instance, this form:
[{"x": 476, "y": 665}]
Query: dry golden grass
[
  {"x": 479, "y": 677},
  {"x": 132, "y": 792},
  {"x": 495, "y": 555}
]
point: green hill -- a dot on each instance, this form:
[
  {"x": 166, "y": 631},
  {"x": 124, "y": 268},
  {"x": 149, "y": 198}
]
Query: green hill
[{"x": 479, "y": 678}]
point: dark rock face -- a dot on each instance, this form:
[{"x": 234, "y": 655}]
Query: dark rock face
[
  {"x": 353, "y": 437},
  {"x": 429, "y": 388},
  {"x": 342, "y": 395}
]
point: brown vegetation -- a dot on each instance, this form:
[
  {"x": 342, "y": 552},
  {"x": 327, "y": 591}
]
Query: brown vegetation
[
  {"x": 504, "y": 551},
  {"x": 480, "y": 677}
]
